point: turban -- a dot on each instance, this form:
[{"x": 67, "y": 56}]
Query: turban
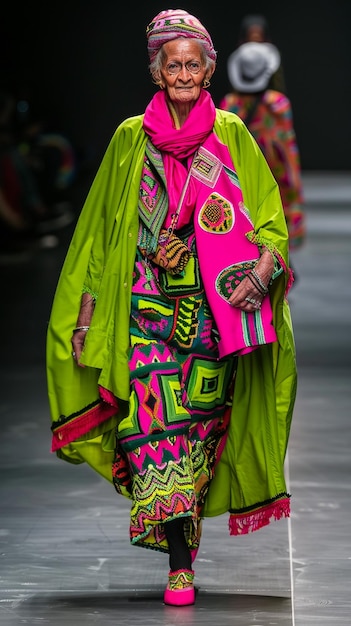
[{"x": 175, "y": 23}]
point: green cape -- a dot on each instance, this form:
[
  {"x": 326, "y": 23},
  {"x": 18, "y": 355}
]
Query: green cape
[{"x": 100, "y": 259}]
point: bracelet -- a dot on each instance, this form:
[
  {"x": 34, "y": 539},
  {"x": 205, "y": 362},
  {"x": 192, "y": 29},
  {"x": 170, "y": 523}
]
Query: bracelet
[
  {"x": 256, "y": 285},
  {"x": 85, "y": 328},
  {"x": 260, "y": 281}
]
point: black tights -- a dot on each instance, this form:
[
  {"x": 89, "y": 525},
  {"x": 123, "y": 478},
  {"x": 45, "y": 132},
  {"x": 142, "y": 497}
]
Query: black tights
[{"x": 179, "y": 553}]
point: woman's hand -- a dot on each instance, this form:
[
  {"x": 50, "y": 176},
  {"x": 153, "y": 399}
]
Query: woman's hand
[
  {"x": 79, "y": 334},
  {"x": 247, "y": 296},
  {"x": 77, "y": 341}
]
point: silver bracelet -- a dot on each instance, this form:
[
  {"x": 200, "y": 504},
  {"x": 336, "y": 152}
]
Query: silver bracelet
[
  {"x": 85, "y": 328},
  {"x": 260, "y": 281}
]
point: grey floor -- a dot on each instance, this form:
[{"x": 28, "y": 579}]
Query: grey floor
[{"x": 65, "y": 556}]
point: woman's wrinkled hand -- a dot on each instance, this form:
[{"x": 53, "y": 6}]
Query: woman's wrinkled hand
[
  {"x": 247, "y": 296},
  {"x": 77, "y": 341},
  {"x": 83, "y": 322}
]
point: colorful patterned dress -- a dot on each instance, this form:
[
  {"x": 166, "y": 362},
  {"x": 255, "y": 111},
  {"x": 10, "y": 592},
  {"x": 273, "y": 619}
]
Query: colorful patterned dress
[
  {"x": 180, "y": 402},
  {"x": 271, "y": 124}
]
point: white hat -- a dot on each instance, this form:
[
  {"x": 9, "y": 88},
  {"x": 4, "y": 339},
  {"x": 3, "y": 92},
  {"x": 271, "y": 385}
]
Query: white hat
[{"x": 251, "y": 66}]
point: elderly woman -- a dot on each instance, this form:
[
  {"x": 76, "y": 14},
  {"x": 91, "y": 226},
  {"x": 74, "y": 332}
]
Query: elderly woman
[{"x": 181, "y": 383}]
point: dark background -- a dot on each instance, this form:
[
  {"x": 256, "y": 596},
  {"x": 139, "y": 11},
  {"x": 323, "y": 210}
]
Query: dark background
[{"x": 85, "y": 65}]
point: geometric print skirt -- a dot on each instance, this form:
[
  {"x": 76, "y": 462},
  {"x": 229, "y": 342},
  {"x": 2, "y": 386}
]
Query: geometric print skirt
[{"x": 180, "y": 402}]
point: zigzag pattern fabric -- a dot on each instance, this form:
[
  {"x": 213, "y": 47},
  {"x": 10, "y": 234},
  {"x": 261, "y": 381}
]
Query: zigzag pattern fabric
[
  {"x": 171, "y": 440},
  {"x": 161, "y": 493}
]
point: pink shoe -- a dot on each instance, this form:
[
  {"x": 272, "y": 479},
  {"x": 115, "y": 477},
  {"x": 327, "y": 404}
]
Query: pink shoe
[{"x": 180, "y": 589}]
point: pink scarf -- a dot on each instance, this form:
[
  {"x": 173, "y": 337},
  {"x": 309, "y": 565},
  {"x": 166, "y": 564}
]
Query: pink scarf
[{"x": 179, "y": 145}]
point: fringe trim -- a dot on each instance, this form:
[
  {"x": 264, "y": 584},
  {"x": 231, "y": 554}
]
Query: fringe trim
[
  {"x": 290, "y": 281},
  {"x": 245, "y": 523},
  {"x": 80, "y": 426},
  {"x": 261, "y": 241},
  {"x": 288, "y": 271}
]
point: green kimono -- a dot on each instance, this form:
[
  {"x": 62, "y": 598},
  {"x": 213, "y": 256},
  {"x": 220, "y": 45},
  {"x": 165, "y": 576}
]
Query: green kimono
[{"x": 249, "y": 480}]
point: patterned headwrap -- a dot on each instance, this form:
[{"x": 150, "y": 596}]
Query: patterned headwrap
[{"x": 172, "y": 24}]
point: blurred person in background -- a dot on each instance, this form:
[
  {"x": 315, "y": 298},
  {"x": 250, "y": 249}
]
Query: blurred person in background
[
  {"x": 21, "y": 206},
  {"x": 50, "y": 156},
  {"x": 49, "y": 153},
  {"x": 268, "y": 115},
  {"x": 255, "y": 27},
  {"x": 29, "y": 209},
  {"x": 170, "y": 354}
]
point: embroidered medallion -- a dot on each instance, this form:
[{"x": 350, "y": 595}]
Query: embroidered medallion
[
  {"x": 231, "y": 277},
  {"x": 216, "y": 215}
]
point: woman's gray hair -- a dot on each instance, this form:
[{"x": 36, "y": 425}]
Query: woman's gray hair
[{"x": 156, "y": 65}]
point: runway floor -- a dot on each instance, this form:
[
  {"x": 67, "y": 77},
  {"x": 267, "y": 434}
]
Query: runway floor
[{"x": 65, "y": 556}]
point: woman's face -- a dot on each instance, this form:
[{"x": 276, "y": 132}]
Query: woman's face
[{"x": 183, "y": 70}]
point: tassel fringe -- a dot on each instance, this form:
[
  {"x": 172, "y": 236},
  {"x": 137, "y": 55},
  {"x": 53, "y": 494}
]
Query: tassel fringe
[{"x": 245, "y": 523}]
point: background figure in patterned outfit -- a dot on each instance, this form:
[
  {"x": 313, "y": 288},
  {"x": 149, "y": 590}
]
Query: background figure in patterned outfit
[
  {"x": 268, "y": 115},
  {"x": 255, "y": 27},
  {"x": 173, "y": 297}
]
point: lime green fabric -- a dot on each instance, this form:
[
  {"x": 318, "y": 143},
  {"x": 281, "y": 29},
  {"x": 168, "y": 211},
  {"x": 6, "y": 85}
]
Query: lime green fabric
[{"x": 100, "y": 259}]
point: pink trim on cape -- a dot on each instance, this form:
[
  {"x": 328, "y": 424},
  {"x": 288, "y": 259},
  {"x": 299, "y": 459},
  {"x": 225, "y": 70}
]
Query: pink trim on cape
[
  {"x": 81, "y": 425},
  {"x": 245, "y": 523}
]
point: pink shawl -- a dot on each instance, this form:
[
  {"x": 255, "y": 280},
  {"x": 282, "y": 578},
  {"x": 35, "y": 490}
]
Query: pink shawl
[
  {"x": 221, "y": 220},
  {"x": 225, "y": 253}
]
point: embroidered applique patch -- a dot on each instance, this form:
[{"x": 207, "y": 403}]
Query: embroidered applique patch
[
  {"x": 217, "y": 215},
  {"x": 229, "y": 278},
  {"x": 206, "y": 167}
]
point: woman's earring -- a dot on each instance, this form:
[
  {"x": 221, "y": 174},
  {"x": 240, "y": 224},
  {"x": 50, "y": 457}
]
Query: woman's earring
[
  {"x": 206, "y": 83},
  {"x": 159, "y": 83}
]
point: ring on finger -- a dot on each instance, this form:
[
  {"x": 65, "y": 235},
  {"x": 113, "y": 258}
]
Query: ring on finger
[{"x": 254, "y": 302}]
